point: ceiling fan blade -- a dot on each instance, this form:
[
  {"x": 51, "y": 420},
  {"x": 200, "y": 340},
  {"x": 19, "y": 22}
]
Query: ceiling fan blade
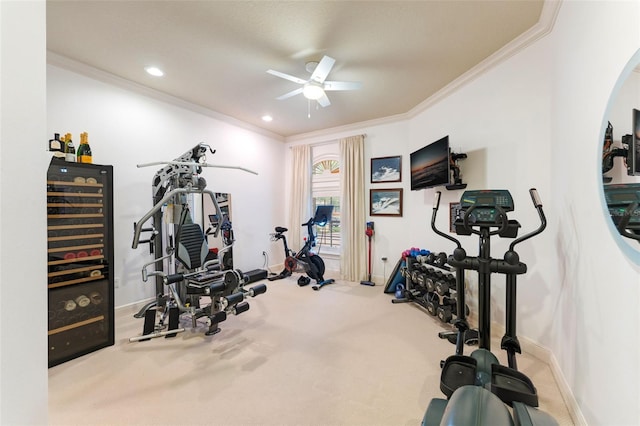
[
  {"x": 287, "y": 76},
  {"x": 322, "y": 69},
  {"x": 290, "y": 94},
  {"x": 324, "y": 100},
  {"x": 342, "y": 85}
]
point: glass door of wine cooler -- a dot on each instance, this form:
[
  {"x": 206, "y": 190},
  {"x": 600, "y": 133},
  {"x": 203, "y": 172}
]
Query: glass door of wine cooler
[{"x": 80, "y": 259}]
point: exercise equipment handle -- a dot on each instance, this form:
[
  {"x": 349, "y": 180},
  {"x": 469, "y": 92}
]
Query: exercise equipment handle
[
  {"x": 436, "y": 205},
  {"x": 174, "y": 278},
  {"x": 537, "y": 203}
]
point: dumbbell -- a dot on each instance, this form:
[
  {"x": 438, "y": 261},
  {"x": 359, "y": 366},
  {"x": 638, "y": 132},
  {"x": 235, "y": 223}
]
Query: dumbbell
[
  {"x": 442, "y": 287},
  {"x": 404, "y": 272},
  {"x": 422, "y": 279},
  {"x": 445, "y": 313},
  {"x": 432, "y": 301}
]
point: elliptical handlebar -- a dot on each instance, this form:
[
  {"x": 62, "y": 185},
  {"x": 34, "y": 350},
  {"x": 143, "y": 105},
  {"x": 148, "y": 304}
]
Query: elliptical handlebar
[
  {"x": 436, "y": 206},
  {"x": 537, "y": 203}
]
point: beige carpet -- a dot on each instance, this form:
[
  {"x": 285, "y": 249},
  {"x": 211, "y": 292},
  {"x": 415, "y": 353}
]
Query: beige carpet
[{"x": 344, "y": 355}]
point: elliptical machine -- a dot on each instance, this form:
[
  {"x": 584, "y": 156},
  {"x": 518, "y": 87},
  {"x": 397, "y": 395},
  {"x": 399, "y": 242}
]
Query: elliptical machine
[
  {"x": 477, "y": 386},
  {"x": 311, "y": 262}
]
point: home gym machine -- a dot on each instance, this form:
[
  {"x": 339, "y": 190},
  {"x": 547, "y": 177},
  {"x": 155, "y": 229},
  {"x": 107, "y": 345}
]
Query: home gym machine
[
  {"x": 623, "y": 202},
  {"x": 311, "y": 262},
  {"x": 477, "y": 386},
  {"x": 185, "y": 274}
]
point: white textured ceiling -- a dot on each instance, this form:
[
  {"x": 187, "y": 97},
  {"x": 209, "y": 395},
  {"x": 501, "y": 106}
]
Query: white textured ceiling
[{"x": 215, "y": 54}]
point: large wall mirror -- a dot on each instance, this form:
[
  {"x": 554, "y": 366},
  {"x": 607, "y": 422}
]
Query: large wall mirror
[{"x": 621, "y": 160}]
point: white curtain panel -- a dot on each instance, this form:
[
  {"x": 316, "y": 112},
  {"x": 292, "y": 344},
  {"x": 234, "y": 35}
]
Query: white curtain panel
[
  {"x": 353, "y": 262},
  {"x": 300, "y": 204}
]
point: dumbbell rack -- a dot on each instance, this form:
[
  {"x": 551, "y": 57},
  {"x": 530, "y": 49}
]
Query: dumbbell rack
[{"x": 430, "y": 284}]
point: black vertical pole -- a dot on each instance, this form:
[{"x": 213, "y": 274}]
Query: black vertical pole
[
  {"x": 484, "y": 291},
  {"x": 510, "y": 326}
]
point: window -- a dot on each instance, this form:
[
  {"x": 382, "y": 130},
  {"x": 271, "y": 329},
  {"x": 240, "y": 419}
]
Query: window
[{"x": 325, "y": 190}]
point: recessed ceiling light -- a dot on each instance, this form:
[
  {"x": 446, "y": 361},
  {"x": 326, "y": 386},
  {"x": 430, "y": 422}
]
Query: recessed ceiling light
[
  {"x": 154, "y": 71},
  {"x": 267, "y": 118}
]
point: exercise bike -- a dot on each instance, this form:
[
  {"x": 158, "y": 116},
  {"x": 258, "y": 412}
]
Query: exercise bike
[
  {"x": 477, "y": 386},
  {"x": 311, "y": 262}
]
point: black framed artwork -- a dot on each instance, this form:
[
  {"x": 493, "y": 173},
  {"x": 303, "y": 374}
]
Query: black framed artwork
[
  {"x": 385, "y": 202},
  {"x": 386, "y": 169}
]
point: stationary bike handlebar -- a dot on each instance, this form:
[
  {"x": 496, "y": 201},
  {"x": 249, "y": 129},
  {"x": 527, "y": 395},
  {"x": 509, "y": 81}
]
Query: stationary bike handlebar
[{"x": 309, "y": 224}]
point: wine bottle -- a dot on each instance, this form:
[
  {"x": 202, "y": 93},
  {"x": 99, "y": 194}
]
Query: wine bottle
[
  {"x": 84, "y": 150},
  {"x": 70, "y": 150},
  {"x": 56, "y": 145}
]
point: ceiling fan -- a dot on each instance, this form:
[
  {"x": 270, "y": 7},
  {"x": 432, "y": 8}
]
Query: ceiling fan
[{"x": 314, "y": 88}]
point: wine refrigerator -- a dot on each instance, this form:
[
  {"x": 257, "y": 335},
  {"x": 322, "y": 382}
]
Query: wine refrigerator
[{"x": 80, "y": 259}]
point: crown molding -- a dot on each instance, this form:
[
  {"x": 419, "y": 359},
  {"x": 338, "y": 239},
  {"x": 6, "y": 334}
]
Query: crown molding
[
  {"x": 64, "y": 62},
  {"x": 543, "y": 27},
  {"x": 346, "y": 130},
  {"x": 540, "y": 29}
]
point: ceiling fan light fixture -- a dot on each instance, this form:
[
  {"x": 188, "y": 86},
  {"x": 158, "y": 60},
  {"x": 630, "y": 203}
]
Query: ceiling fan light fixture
[{"x": 313, "y": 91}]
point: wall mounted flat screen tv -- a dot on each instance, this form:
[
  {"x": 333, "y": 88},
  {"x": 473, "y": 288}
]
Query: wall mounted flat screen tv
[{"x": 430, "y": 165}]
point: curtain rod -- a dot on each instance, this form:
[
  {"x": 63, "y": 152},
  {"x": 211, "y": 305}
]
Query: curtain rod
[{"x": 364, "y": 135}]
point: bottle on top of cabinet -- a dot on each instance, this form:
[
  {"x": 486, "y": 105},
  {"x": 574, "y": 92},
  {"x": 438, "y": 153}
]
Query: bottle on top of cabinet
[
  {"x": 84, "y": 150},
  {"x": 56, "y": 146},
  {"x": 69, "y": 150}
]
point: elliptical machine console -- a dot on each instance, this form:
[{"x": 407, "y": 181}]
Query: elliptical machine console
[
  {"x": 623, "y": 201},
  {"x": 477, "y": 386},
  {"x": 486, "y": 208}
]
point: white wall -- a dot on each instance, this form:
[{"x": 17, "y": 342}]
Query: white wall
[
  {"x": 23, "y": 250},
  {"x": 128, "y": 128},
  {"x": 536, "y": 120},
  {"x": 597, "y": 351}
]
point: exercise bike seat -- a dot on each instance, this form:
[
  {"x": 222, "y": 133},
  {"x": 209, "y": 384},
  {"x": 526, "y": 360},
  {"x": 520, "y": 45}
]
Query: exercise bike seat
[{"x": 280, "y": 229}]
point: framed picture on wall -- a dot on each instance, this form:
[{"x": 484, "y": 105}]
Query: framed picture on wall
[
  {"x": 386, "y": 169},
  {"x": 385, "y": 202},
  {"x": 454, "y": 213}
]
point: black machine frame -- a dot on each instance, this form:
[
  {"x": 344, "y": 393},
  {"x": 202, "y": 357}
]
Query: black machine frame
[
  {"x": 186, "y": 274},
  {"x": 479, "y": 380}
]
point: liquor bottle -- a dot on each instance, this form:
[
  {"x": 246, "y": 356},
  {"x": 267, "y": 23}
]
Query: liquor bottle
[
  {"x": 56, "y": 146},
  {"x": 84, "y": 150},
  {"x": 70, "y": 150}
]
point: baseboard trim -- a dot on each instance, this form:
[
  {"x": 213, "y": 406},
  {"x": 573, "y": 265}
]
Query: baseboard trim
[{"x": 543, "y": 354}]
